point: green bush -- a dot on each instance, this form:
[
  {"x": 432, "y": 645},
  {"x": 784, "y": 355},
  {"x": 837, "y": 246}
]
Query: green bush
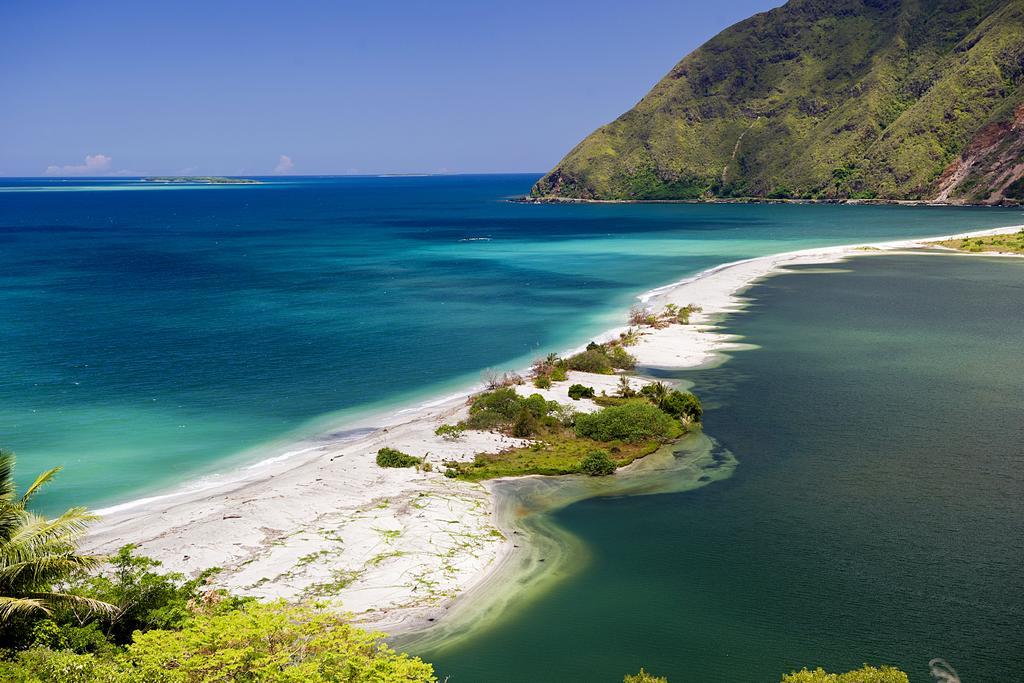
[
  {"x": 389, "y": 457},
  {"x": 598, "y": 464},
  {"x": 633, "y": 421},
  {"x": 525, "y": 423},
  {"x": 644, "y": 677},
  {"x": 146, "y": 600},
  {"x": 655, "y": 392},
  {"x": 601, "y": 359},
  {"x": 485, "y": 420},
  {"x": 40, "y": 664},
  {"x": 538, "y": 405},
  {"x": 229, "y": 641},
  {"x": 450, "y": 432},
  {"x": 620, "y": 359},
  {"x": 271, "y": 642},
  {"x": 591, "y": 360},
  {"x": 504, "y": 401},
  {"x": 542, "y": 382},
  {"x": 682, "y": 405},
  {"x": 578, "y": 391},
  {"x": 867, "y": 674},
  {"x": 559, "y": 373},
  {"x": 506, "y": 410},
  {"x": 57, "y": 635}
]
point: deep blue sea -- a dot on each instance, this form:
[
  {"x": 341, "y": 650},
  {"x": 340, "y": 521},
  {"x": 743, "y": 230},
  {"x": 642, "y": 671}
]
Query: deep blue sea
[{"x": 150, "y": 334}]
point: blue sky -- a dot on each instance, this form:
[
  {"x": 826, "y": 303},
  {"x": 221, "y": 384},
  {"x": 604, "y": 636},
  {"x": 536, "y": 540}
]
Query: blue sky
[{"x": 102, "y": 88}]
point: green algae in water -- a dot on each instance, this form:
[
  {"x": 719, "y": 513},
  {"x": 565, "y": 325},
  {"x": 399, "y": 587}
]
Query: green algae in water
[{"x": 875, "y": 515}]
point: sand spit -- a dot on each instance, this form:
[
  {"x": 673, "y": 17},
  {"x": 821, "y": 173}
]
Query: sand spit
[{"x": 401, "y": 548}]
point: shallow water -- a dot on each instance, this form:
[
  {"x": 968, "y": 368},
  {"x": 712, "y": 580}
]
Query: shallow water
[
  {"x": 876, "y": 513},
  {"x": 545, "y": 554},
  {"x": 150, "y": 334}
]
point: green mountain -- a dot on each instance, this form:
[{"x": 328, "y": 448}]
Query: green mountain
[{"x": 823, "y": 99}]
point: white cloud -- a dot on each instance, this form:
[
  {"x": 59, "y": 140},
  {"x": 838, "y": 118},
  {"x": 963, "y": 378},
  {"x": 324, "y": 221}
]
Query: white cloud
[
  {"x": 95, "y": 164},
  {"x": 284, "y": 164}
]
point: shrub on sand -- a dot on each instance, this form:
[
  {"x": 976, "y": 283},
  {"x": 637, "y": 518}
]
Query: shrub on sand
[
  {"x": 389, "y": 457},
  {"x": 591, "y": 360},
  {"x": 578, "y": 391},
  {"x": 450, "y": 432}
]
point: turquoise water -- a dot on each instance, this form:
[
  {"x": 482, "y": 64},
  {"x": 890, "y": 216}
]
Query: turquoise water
[
  {"x": 149, "y": 334},
  {"x": 876, "y": 513}
]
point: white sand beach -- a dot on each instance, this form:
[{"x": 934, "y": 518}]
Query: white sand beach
[{"x": 397, "y": 547}]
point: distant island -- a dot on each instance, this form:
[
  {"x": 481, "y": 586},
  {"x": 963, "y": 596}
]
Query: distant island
[
  {"x": 850, "y": 100},
  {"x": 201, "y": 179}
]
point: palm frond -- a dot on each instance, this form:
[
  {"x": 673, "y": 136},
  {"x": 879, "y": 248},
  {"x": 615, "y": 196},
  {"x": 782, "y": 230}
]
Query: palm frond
[
  {"x": 70, "y": 600},
  {"x": 37, "y": 553},
  {"x": 42, "y": 551},
  {"x": 46, "y": 568},
  {"x": 36, "y": 531},
  {"x": 6, "y": 477},
  {"x": 11, "y": 607},
  {"x": 10, "y": 521},
  {"x": 40, "y": 481}
]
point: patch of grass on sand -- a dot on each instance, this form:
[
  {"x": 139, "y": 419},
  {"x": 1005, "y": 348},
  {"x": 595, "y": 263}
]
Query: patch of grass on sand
[
  {"x": 1007, "y": 244},
  {"x": 339, "y": 581},
  {"x": 382, "y": 557},
  {"x": 553, "y": 454}
]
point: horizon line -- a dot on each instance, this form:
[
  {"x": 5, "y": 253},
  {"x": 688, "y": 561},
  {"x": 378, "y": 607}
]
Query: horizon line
[{"x": 272, "y": 175}]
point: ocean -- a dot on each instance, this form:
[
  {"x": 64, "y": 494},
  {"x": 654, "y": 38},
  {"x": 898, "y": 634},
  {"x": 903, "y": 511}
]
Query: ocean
[{"x": 151, "y": 335}]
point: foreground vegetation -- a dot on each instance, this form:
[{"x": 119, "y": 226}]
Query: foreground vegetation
[
  {"x": 251, "y": 642},
  {"x": 1007, "y": 244},
  {"x": 62, "y": 621}
]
